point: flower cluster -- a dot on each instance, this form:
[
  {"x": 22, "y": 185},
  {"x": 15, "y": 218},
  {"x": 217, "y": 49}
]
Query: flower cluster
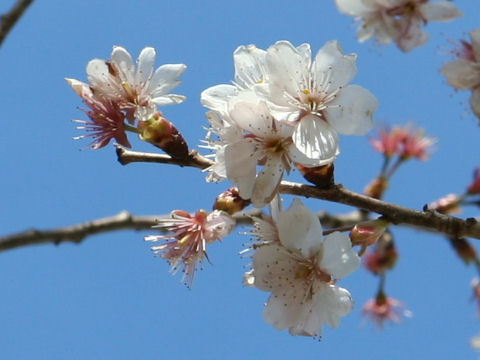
[
  {"x": 120, "y": 95},
  {"x": 299, "y": 267},
  {"x": 284, "y": 107},
  {"x": 406, "y": 142},
  {"x": 400, "y": 21},
  {"x": 464, "y": 72},
  {"x": 190, "y": 234}
]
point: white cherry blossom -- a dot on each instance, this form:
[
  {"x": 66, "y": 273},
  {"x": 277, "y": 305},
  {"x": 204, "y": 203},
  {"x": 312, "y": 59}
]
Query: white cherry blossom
[
  {"x": 400, "y": 21},
  {"x": 263, "y": 141},
  {"x": 464, "y": 72},
  {"x": 137, "y": 89},
  {"x": 299, "y": 266},
  {"x": 315, "y": 96}
]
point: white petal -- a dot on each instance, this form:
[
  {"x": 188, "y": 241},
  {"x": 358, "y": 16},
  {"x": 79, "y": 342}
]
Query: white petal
[
  {"x": 299, "y": 229},
  {"x": 267, "y": 182},
  {"x": 462, "y": 74},
  {"x": 332, "y": 67},
  {"x": 338, "y": 258},
  {"x": 475, "y": 102},
  {"x": 169, "y": 99},
  {"x": 316, "y": 139},
  {"x": 286, "y": 310},
  {"x": 475, "y": 36},
  {"x": 165, "y": 79},
  {"x": 411, "y": 34},
  {"x": 298, "y": 157},
  {"x": 352, "y": 110},
  {"x": 216, "y": 97},
  {"x": 123, "y": 60},
  {"x": 331, "y": 303},
  {"x": 241, "y": 164},
  {"x": 439, "y": 11},
  {"x": 287, "y": 68},
  {"x": 253, "y": 117},
  {"x": 97, "y": 72},
  {"x": 250, "y": 66},
  {"x": 146, "y": 60},
  {"x": 352, "y": 7}
]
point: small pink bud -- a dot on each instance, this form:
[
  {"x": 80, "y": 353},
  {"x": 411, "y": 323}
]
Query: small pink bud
[
  {"x": 367, "y": 233},
  {"x": 383, "y": 257},
  {"x": 449, "y": 204},
  {"x": 163, "y": 134}
]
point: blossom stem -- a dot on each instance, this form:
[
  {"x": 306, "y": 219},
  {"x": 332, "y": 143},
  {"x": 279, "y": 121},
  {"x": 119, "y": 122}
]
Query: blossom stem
[{"x": 131, "y": 128}]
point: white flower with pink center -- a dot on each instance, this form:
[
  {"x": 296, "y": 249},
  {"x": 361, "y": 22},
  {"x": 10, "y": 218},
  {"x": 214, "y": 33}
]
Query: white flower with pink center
[
  {"x": 137, "y": 89},
  {"x": 190, "y": 234},
  {"x": 315, "y": 97},
  {"x": 400, "y": 21},
  {"x": 464, "y": 72},
  {"x": 299, "y": 266}
]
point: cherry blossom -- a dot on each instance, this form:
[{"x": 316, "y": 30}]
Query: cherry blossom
[
  {"x": 464, "y": 72},
  {"x": 384, "y": 308},
  {"x": 137, "y": 89},
  {"x": 263, "y": 141},
  {"x": 314, "y": 95},
  {"x": 400, "y": 21},
  {"x": 106, "y": 119},
  {"x": 299, "y": 266},
  {"x": 190, "y": 234}
]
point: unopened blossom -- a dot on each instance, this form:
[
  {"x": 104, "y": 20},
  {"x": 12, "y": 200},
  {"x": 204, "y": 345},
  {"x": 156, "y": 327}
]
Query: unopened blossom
[
  {"x": 106, "y": 119},
  {"x": 137, "y": 89},
  {"x": 299, "y": 267},
  {"x": 189, "y": 236},
  {"x": 449, "y": 204},
  {"x": 400, "y": 21},
  {"x": 314, "y": 96},
  {"x": 382, "y": 257},
  {"x": 368, "y": 232},
  {"x": 474, "y": 187},
  {"x": 476, "y": 292},
  {"x": 463, "y": 73},
  {"x": 383, "y": 308}
]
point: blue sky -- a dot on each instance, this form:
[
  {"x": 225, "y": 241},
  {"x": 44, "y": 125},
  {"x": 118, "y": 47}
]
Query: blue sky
[{"x": 109, "y": 298}]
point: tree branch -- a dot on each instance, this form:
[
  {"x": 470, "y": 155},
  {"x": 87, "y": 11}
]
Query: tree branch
[
  {"x": 9, "y": 19},
  {"x": 428, "y": 220},
  {"x": 125, "y": 221}
]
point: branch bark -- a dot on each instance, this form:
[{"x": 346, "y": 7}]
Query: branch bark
[
  {"x": 428, "y": 220},
  {"x": 9, "y": 19}
]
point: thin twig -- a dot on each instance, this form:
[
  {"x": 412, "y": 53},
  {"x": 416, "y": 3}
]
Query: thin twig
[{"x": 9, "y": 19}]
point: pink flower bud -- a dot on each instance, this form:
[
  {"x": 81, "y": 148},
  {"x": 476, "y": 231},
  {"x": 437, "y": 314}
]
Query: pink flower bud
[
  {"x": 230, "y": 201},
  {"x": 367, "y": 233}
]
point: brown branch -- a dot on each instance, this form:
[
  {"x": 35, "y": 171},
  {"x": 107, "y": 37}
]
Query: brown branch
[
  {"x": 125, "y": 221},
  {"x": 194, "y": 159},
  {"x": 77, "y": 233},
  {"x": 9, "y": 19},
  {"x": 425, "y": 220}
]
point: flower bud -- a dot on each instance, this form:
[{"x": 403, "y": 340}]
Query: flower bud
[
  {"x": 367, "y": 233},
  {"x": 230, "y": 201},
  {"x": 161, "y": 133},
  {"x": 474, "y": 187},
  {"x": 383, "y": 257},
  {"x": 464, "y": 250},
  {"x": 449, "y": 204},
  {"x": 320, "y": 176},
  {"x": 376, "y": 188}
]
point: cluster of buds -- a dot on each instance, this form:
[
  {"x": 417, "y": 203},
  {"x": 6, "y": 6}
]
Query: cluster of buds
[{"x": 123, "y": 97}]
